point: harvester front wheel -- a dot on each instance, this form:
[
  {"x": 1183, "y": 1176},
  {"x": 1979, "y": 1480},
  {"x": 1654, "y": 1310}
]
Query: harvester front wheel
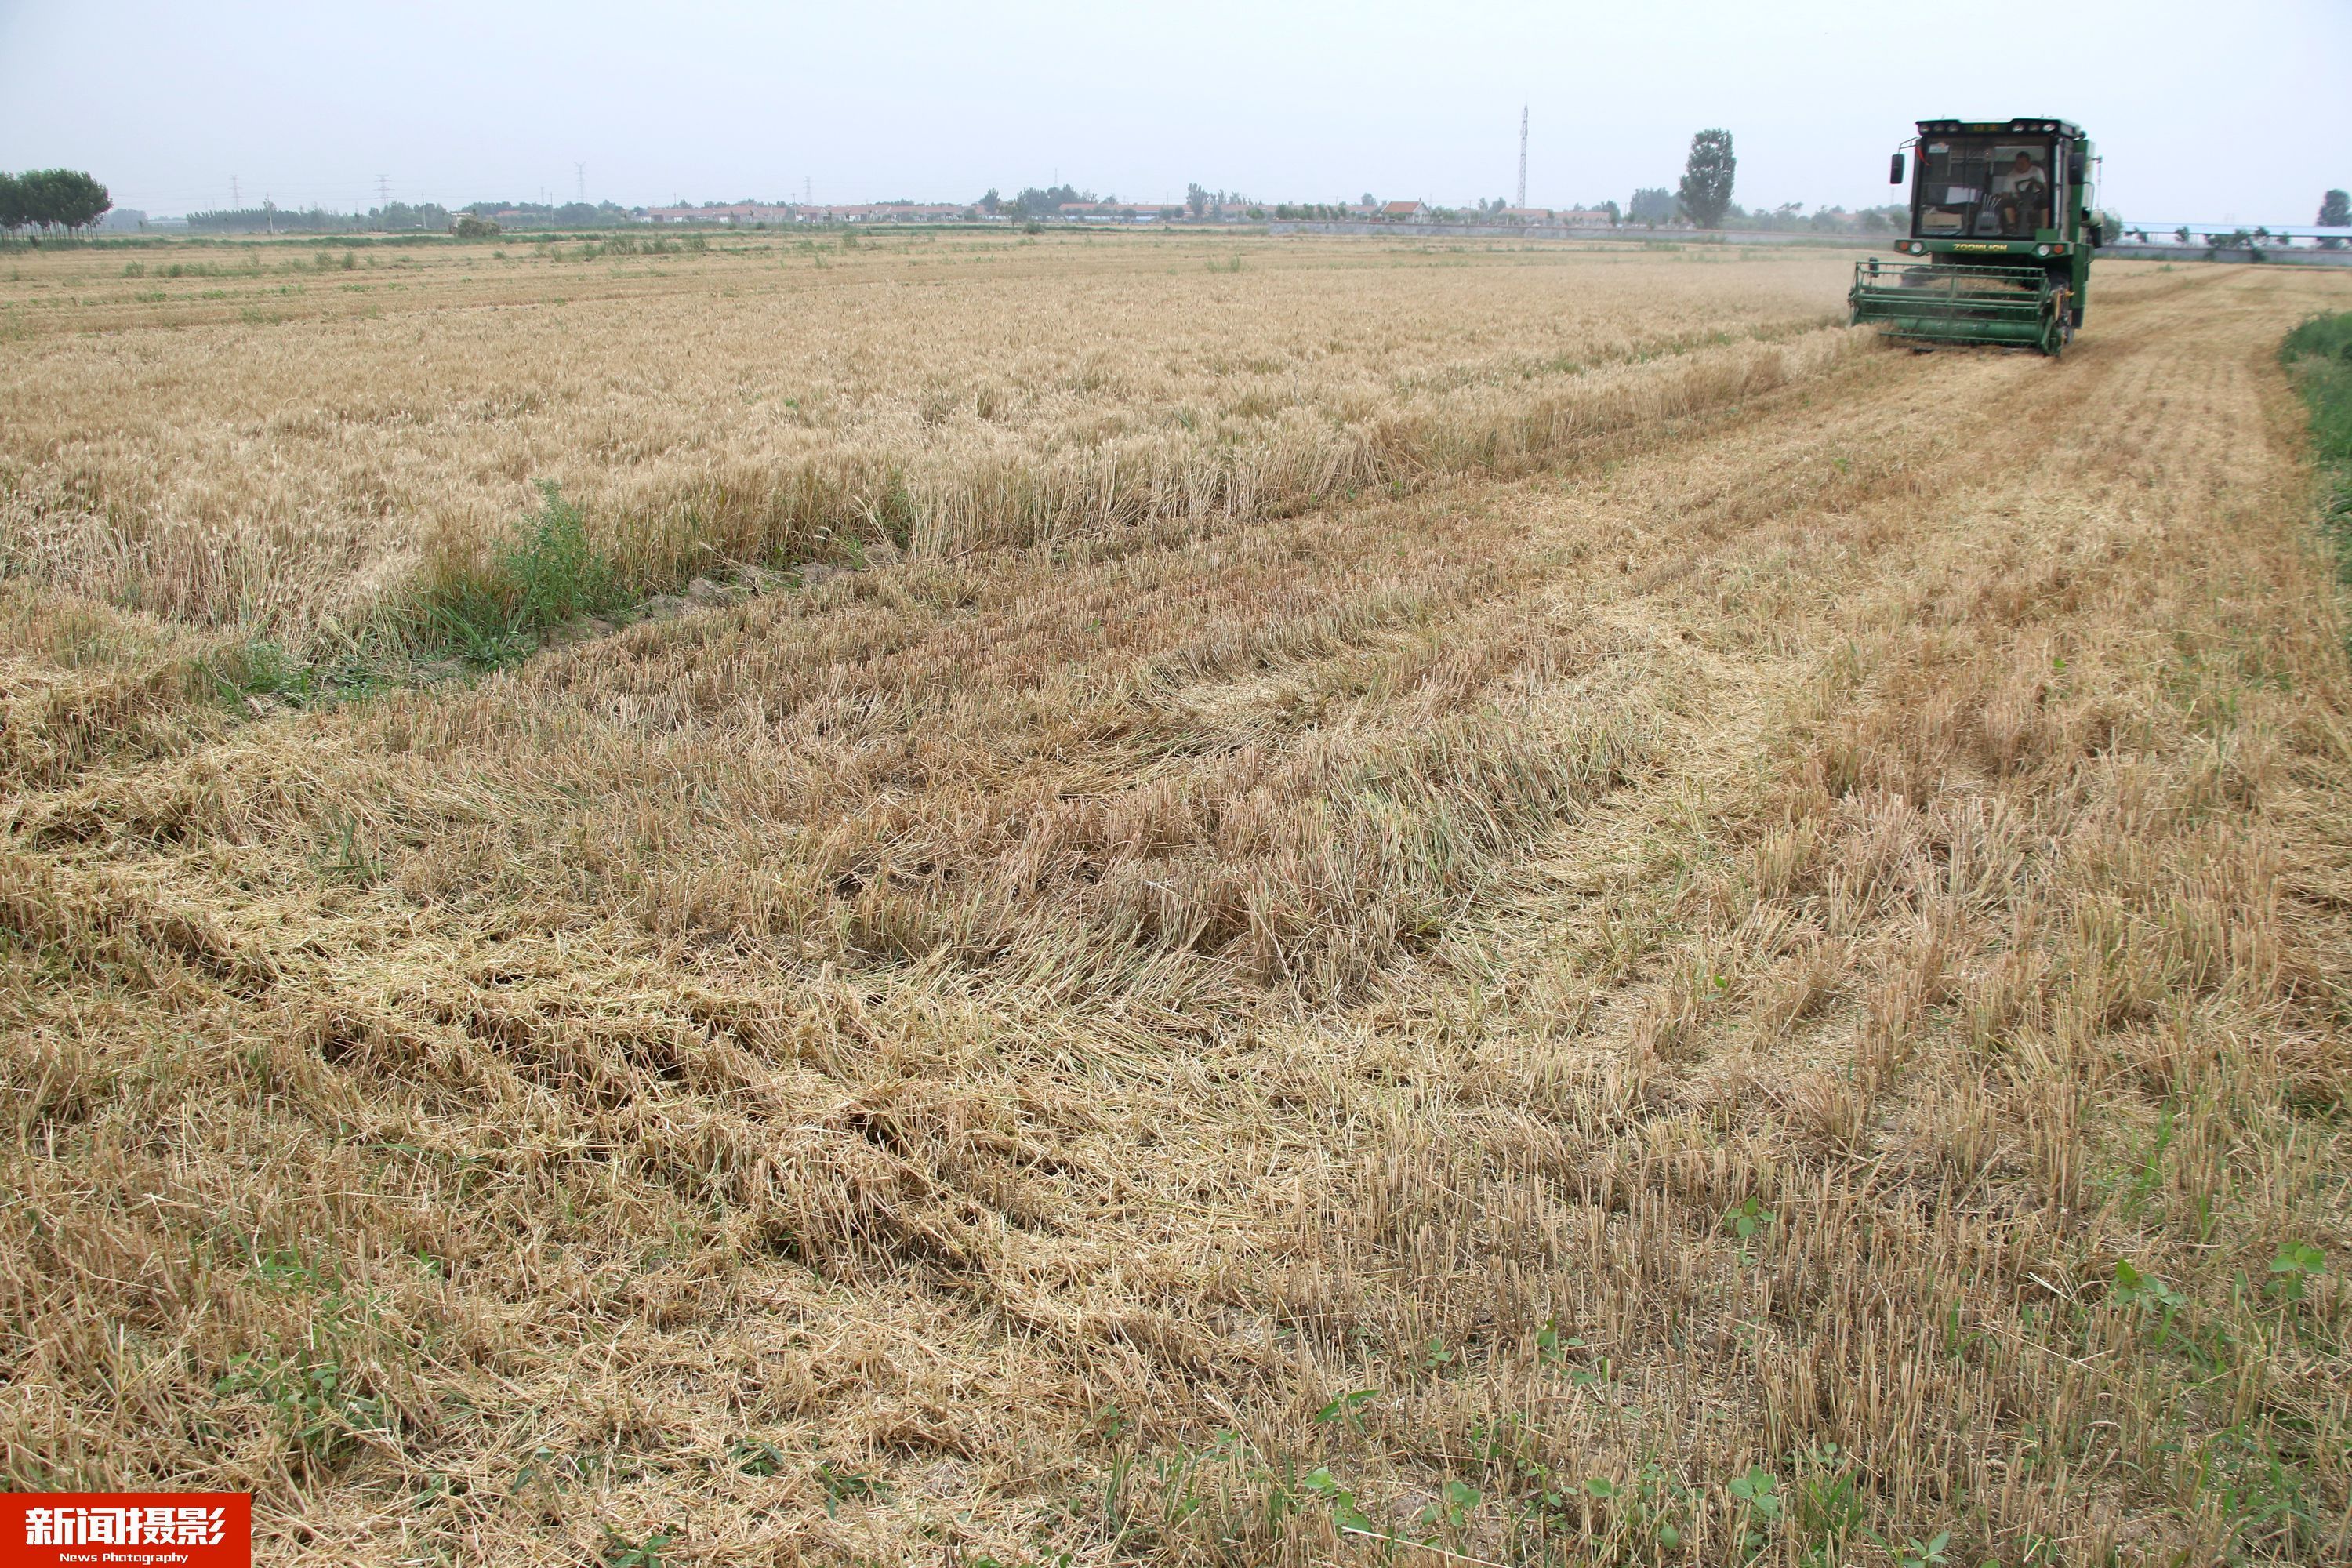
[{"x": 2058, "y": 328}]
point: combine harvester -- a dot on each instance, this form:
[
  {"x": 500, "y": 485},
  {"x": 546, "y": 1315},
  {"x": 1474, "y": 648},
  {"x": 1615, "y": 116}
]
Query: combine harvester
[{"x": 2001, "y": 235}]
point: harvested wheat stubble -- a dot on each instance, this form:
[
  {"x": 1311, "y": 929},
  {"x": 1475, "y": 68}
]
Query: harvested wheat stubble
[{"x": 1806, "y": 950}]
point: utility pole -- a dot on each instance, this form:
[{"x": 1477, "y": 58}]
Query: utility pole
[{"x": 1523, "y": 154}]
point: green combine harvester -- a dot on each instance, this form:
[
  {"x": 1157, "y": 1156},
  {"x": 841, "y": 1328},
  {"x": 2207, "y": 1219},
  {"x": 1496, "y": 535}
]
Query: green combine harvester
[{"x": 2001, "y": 235}]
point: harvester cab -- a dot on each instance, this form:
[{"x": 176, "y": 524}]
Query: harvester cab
[{"x": 2000, "y": 237}]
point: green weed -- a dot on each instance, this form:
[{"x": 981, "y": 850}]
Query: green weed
[
  {"x": 1927, "y": 1553},
  {"x": 622, "y": 1552},
  {"x": 284, "y": 1269},
  {"x": 1646, "y": 1514},
  {"x": 1747, "y": 1219},
  {"x": 313, "y": 1399},
  {"x": 1760, "y": 1508},
  {"x": 556, "y": 574},
  {"x": 754, "y": 1458},
  {"x": 1454, "y": 1506},
  {"x": 848, "y": 1486},
  {"x": 2297, "y": 1264},
  {"x": 1829, "y": 1505},
  {"x": 1345, "y": 1411},
  {"x": 547, "y": 576},
  {"x": 2136, "y": 1292},
  {"x": 1345, "y": 1514},
  {"x": 344, "y": 861},
  {"x": 257, "y": 668},
  {"x": 2261, "y": 1496}
]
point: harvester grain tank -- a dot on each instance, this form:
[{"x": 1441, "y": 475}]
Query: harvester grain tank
[{"x": 2000, "y": 237}]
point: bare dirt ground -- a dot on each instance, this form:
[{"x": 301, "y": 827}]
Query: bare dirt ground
[{"x": 1772, "y": 988}]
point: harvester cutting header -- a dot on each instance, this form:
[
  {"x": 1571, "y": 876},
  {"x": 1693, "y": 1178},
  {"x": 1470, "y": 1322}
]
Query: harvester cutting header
[{"x": 2000, "y": 237}]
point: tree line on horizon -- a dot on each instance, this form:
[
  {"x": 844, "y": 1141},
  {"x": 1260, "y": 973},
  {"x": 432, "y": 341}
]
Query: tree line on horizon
[
  {"x": 72, "y": 200},
  {"x": 400, "y": 218}
]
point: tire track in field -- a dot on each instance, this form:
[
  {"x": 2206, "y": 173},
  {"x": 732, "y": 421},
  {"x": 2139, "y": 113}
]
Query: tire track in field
[{"x": 1942, "y": 431}]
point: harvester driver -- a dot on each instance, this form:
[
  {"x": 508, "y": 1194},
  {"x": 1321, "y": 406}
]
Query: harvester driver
[{"x": 2017, "y": 195}]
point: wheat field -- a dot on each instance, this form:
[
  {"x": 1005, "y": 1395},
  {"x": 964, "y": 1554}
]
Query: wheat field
[
  {"x": 271, "y": 442},
  {"x": 1388, "y": 905}
]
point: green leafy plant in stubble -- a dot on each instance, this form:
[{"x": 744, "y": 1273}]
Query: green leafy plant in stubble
[
  {"x": 555, "y": 572},
  {"x": 1932, "y": 1552},
  {"x": 1346, "y": 1411},
  {"x": 1452, "y": 1508},
  {"x": 547, "y": 576},
  {"x": 1642, "y": 1518},
  {"x": 1824, "y": 1506},
  {"x": 467, "y": 619},
  {"x": 313, "y": 1399},
  {"x": 257, "y": 668},
  {"x": 1557, "y": 1352},
  {"x": 620, "y": 1552},
  {"x": 1746, "y": 1220},
  {"x": 1226, "y": 1498},
  {"x": 751, "y": 1457},
  {"x": 1758, "y": 1499},
  {"x": 2261, "y": 1490},
  {"x": 848, "y": 1486},
  {"x": 2298, "y": 1263},
  {"x": 1345, "y": 1515},
  {"x": 2146, "y": 1296}
]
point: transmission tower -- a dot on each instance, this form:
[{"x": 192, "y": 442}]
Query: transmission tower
[
  {"x": 582, "y": 170},
  {"x": 1523, "y": 154},
  {"x": 382, "y": 191},
  {"x": 235, "y": 202}
]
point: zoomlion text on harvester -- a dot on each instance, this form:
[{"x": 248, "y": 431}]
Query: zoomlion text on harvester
[{"x": 2001, "y": 233}]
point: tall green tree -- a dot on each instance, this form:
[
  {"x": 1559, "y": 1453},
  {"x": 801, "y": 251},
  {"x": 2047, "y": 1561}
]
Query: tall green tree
[
  {"x": 1705, "y": 195},
  {"x": 2334, "y": 211},
  {"x": 63, "y": 198},
  {"x": 15, "y": 205}
]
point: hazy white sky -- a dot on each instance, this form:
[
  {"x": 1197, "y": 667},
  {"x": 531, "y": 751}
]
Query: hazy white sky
[{"x": 2203, "y": 112}]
